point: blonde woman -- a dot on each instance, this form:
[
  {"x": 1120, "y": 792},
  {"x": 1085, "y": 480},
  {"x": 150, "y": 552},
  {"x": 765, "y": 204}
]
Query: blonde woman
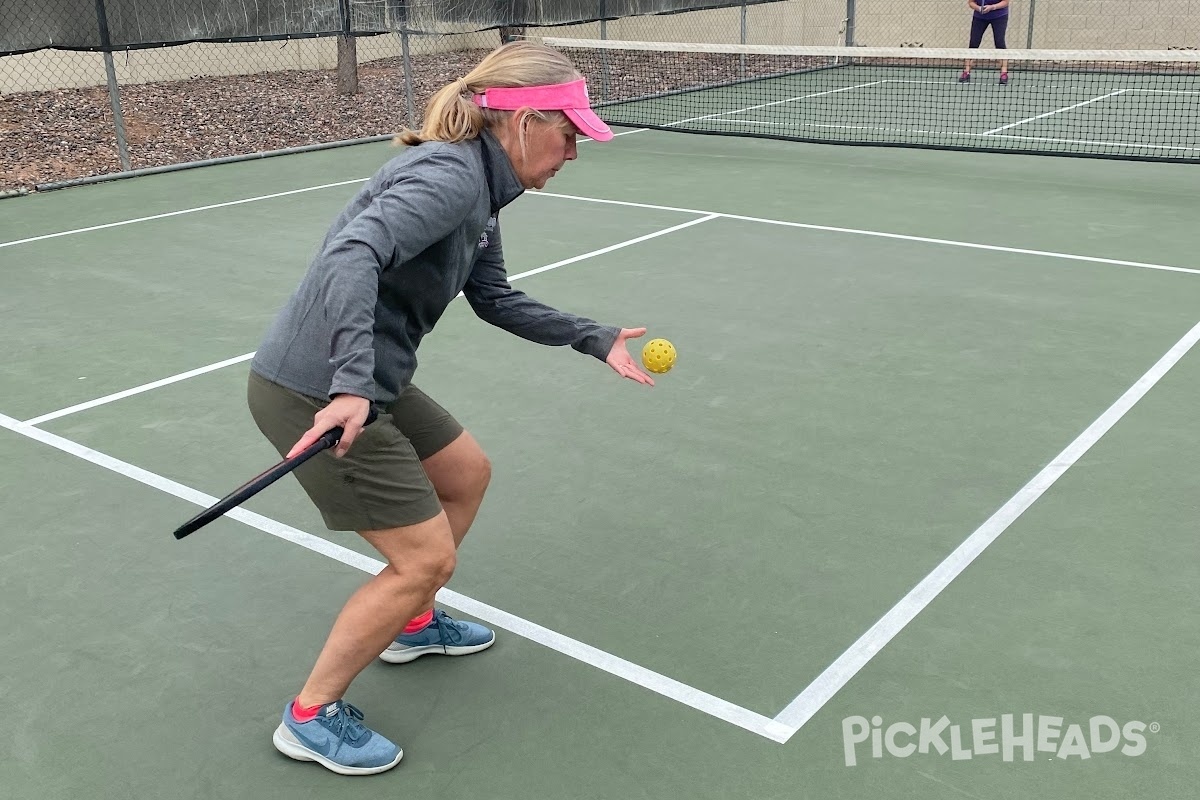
[{"x": 422, "y": 229}]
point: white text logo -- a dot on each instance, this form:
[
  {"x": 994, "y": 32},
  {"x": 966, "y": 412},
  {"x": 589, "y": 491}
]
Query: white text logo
[{"x": 1006, "y": 737}]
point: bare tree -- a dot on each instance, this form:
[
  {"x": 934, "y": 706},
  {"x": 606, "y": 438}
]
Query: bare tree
[
  {"x": 347, "y": 49},
  {"x": 509, "y": 34},
  {"x": 347, "y": 66}
]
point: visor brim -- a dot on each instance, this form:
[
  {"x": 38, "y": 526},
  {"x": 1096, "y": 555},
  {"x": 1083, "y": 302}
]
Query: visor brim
[{"x": 589, "y": 124}]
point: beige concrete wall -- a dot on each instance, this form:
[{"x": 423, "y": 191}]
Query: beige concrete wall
[
  {"x": 1112, "y": 24},
  {"x": 1117, "y": 24}
]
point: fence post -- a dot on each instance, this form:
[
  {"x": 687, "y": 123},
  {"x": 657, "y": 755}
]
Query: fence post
[
  {"x": 114, "y": 90},
  {"x": 409, "y": 99},
  {"x": 849, "y": 23},
  {"x": 1029, "y": 35},
  {"x": 742, "y": 56},
  {"x": 604, "y": 72}
]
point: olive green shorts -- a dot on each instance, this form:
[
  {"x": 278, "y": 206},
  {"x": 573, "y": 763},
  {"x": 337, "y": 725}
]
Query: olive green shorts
[{"x": 379, "y": 483}]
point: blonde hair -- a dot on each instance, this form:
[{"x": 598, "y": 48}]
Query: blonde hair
[{"x": 452, "y": 116}]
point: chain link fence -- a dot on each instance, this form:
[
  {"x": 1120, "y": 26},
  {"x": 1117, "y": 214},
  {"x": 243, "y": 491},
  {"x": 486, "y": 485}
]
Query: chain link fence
[
  {"x": 62, "y": 118},
  {"x": 241, "y": 79}
]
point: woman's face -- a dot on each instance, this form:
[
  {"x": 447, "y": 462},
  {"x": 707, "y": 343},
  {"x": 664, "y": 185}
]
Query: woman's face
[{"x": 547, "y": 146}]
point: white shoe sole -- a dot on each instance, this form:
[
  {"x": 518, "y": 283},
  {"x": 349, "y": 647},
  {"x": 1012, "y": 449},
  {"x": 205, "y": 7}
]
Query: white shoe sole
[
  {"x": 291, "y": 747},
  {"x": 412, "y": 653}
]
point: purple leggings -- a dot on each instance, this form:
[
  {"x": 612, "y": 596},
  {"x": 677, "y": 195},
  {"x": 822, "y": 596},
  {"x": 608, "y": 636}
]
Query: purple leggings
[{"x": 999, "y": 26}]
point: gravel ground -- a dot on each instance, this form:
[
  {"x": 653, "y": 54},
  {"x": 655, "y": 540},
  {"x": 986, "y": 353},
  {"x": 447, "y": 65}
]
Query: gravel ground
[
  {"x": 65, "y": 134},
  {"x": 61, "y": 135}
]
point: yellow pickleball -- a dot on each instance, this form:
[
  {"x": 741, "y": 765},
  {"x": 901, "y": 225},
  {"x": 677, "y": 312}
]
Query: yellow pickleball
[{"x": 658, "y": 356}]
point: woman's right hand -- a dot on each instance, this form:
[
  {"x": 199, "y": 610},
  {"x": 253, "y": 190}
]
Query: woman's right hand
[{"x": 346, "y": 411}]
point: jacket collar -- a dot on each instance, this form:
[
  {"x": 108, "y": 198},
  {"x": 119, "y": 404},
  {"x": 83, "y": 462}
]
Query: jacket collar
[{"x": 503, "y": 184}]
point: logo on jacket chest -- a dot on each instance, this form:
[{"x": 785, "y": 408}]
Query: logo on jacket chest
[{"x": 483, "y": 237}]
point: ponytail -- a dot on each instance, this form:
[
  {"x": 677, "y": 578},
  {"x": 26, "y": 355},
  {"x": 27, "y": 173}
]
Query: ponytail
[{"x": 452, "y": 116}]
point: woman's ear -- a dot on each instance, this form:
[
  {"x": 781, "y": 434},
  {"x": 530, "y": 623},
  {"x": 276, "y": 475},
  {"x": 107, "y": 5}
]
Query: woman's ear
[{"x": 525, "y": 115}]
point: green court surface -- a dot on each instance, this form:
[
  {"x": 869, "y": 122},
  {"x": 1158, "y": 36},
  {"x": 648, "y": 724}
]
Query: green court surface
[{"x": 926, "y": 463}]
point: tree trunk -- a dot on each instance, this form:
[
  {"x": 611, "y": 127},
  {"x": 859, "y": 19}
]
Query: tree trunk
[
  {"x": 508, "y": 34},
  {"x": 347, "y": 79}
]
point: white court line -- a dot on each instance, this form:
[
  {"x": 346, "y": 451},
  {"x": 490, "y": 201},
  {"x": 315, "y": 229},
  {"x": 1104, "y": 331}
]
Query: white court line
[
  {"x": 855, "y": 231},
  {"x": 1089, "y": 141},
  {"x": 775, "y": 103},
  {"x": 1017, "y": 75},
  {"x": 215, "y": 205},
  {"x": 1166, "y": 91},
  {"x": 912, "y": 131},
  {"x": 802, "y": 708},
  {"x": 844, "y": 127},
  {"x": 901, "y": 236},
  {"x": 1055, "y": 111},
  {"x": 704, "y": 217},
  {"x": 839, "y": 673},
  {"x": 622, "y": 133},
  {"x": 717, "y": 117},
  {"x": 99, "y": 401},
  {"x": 613, "y": 665},
  {"x": 613, "y": 247},
  {"x": 177, "y": 213}
]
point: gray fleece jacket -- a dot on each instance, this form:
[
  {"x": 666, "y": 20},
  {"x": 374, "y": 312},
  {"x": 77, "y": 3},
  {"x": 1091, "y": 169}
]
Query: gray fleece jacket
[{"x": 422, "y": 229}]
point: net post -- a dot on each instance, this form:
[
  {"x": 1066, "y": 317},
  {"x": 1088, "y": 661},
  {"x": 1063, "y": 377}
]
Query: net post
[{"x": 114, "y": 89}]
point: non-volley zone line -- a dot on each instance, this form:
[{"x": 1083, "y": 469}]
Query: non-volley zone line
[
  {"x": 192, "y": 373},
  {"x": 882, "y": 234},
  {"x": 692, "y": 211},
  {"x": 701, "y": 216}
]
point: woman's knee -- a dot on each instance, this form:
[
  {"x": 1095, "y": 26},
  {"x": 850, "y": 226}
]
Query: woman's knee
[
  {"x": 461, "y": 471},
  {"x": 423, "y": 553},
  {"x": 474, "y": 469},
  {"x": 481, "y": 472},
  {"x": 427, "y": 570},
  {"x": 439, "y": 567}
]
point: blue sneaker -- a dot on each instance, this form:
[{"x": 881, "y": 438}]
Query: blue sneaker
[
  {"x": 443, "y": 635},
  {"x": 336, "y": 740}
]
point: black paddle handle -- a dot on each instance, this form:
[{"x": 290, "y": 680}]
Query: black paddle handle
[{"x": 262, "y": 481}]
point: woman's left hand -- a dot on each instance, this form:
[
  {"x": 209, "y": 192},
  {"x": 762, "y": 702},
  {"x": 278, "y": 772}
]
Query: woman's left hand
[{"x": 623, "y": 363}]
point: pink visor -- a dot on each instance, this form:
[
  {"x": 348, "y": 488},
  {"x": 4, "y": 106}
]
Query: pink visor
[{"x": 569, "y": 98}]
